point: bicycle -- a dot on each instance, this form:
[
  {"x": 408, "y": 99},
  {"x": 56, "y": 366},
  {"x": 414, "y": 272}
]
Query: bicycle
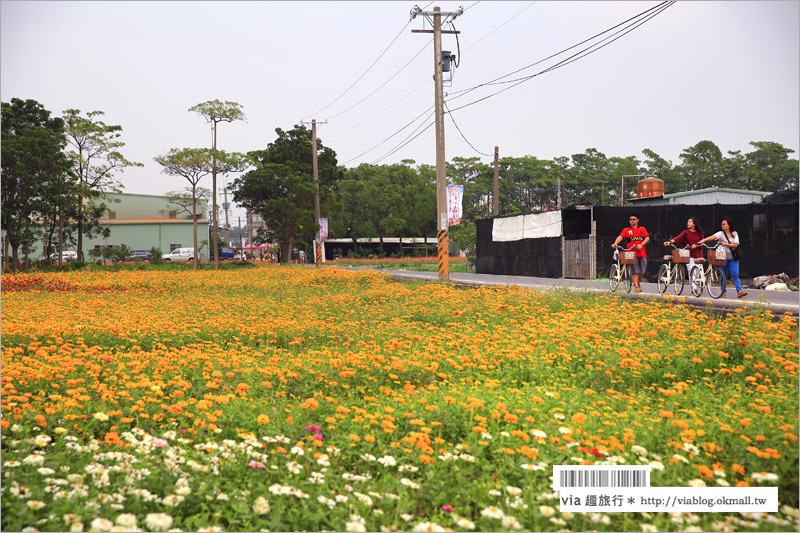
[
  {"x": 672, "y": 271},
  {"x": 621, "y": 271},
  {"x": 712, "y": 277}
]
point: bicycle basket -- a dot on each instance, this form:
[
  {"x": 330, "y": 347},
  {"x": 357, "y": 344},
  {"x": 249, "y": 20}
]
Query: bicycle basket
[
  {"x": 628, "y": 258},
  {"x": 680, "y": 256},
  {"x": 717, "y": 256}
]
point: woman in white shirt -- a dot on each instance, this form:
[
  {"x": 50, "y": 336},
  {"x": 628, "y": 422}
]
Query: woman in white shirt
[{"x": 730, "y": 240}]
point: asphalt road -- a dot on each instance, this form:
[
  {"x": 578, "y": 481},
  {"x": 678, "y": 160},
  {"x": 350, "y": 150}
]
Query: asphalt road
[{"x": 776, "y": 301}]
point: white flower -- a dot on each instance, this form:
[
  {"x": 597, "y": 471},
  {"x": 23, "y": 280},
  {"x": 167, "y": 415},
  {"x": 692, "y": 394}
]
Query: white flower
[
  {"x": 564, "y": 430},
  {"x": 387, "y": 460},
  {"x": 531, "y": 467},
  {"x": 76, "y": 527},
  {"x": 223, "y": 497},
  {"x": 558, "y": 416},
  {"x": 505, "y": 434},
  {"x": 638, "y": 450},
  {"x": 538, "y": 433},
  {"x": 11, "y": 464},
  {"x": 101, "y": 524},
  {"x": 34, "y": 459},
  {"x": 558, "y": 521},
  {"x": 649, "y": 528},
  {"x": 511, "y": 523},
  {"x": 261, "y": 505},
  {"x": 493, "y": 512},
  {"x": 42, "y": 440},
  {"x": 408, "y": 468},
  {"x": 158, "y": 521},
  {"x": 341, "y": 498},
  {"x": 127, "y": 520},
  {"x": 427, "y": 526},
  {"x": 356, "y": 523},
  {"x": 494, "y": 492},
  {"x": 297, "y": 450},
  {"x": 546, "y": 511},
  {"x": 466, "y": 524},
  {"x": 317, "y": 478},
  {"x": 294, "y": 467},
  {"x": 101, "y": 417},
  {"x": 45, "y": 471},
  {"x": 408, "y": 483},
  {"x": 407, "y": 517},
  {"x": 326, "y": 501},
  {"x": 696, "y": 483},
  {"x": 722, "y": 483},
  {"x": 656, "y": 465},
  {"x": 513, "y": 491},
  {"x": 35, "y": 504},
  {"x": 764, "y": 476}
]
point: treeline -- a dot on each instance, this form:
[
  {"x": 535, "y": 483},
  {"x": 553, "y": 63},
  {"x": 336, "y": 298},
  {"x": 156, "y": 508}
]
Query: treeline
[
  {"x": 399, "y": 200},
  {"x": 55, "y": 171}
]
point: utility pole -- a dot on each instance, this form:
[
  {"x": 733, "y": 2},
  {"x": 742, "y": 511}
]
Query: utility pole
[
  {"x": 622, "y": 185},
  {"x": 496, "y": 181},
  {"x": 315, "y": 170},
  {"x": 226, "y": 206},
  {"x": 603, "y": 191},
  {"x": 441, "y": 177},
  {"x": 559, "y": 192}
]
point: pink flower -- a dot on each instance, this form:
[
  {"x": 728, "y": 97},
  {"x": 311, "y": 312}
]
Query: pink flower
[
  {"x": 183, "y": 431},
  {"x": 317, "y": 437},
  {"x": 160, "y": 443},
  {"x": 448, "y": 508},
  {"x": 107, "y": 359},
  {"x": 256, "y": 464},
  {"x": 312, "y": 427}
]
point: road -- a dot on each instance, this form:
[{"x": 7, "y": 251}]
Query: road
[{"x": 777, "y": 301}]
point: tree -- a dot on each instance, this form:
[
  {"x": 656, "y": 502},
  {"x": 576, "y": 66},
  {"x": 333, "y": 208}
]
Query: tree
[
  {"x": 701, "y": 165},
  {"x": 194, "y": 164},
  {"x": 95, "y": 161},
  {"x": 769, "y": 167},
  {"x": 281, "y": 187},
  {"x": 215, "y": 112},
  {"x": 34, "y": 169}
]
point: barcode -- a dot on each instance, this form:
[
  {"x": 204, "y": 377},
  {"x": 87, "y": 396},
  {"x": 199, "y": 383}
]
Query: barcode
[{"x": 602, "y": 478}]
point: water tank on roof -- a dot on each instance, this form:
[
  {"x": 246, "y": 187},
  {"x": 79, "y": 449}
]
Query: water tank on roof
[{"x": 651, "y": 187}]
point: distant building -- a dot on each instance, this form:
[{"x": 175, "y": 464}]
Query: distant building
[
  {"x": 142, "y": 221},
  {"x": 714, "y": 195}
]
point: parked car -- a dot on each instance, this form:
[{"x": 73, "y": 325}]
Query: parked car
[
  {"x": 179, "y": 254},
  {"x": 226, "y": 252},
  {"x": 66, "y": 255},
  {"x": 140, "y": 255}
]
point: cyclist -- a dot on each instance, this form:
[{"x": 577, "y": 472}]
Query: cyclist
[
  {"x": 637, "y": 238},
  {"x": 691, "y": 235},
  {"x": 730, "y": 240}
]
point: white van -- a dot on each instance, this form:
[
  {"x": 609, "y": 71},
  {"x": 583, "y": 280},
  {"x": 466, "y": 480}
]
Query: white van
[
  {"x": 66, "y": 255},
  {"x": 179, "y": 254}
]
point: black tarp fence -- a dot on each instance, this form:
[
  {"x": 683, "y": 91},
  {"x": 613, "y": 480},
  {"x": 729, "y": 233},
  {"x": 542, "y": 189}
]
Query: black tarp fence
[{"x": 768, "y": 234}]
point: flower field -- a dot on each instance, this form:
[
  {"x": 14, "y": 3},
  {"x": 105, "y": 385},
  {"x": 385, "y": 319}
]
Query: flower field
[{"x": 299, "y": 399}]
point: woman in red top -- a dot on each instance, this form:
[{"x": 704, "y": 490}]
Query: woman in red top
[{"x": 691, "y": 235}]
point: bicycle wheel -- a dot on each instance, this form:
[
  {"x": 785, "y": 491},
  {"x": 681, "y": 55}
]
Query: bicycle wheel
[
  {"x": 627, "y": 278},
  {"x": 678, "y": 280},
  {"x": 696, "y": 277},
  {"x": 716, "y": 282},
  {"x": 613, "y": 278},
  {"x": 663, "y": 278}
]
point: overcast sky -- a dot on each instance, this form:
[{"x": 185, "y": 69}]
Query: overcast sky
[{"x": 721, "y": 71}]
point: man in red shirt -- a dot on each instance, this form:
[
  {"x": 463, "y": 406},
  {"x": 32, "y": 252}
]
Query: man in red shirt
[{"x": 637, "y": 238}]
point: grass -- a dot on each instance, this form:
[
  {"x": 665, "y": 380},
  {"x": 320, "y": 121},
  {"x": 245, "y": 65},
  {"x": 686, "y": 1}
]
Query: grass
[{"x": 293, "y": 398}]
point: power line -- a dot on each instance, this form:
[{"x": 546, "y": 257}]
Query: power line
[
  {"x": 497, "y": 28},
  {"x": 581, "y": 54},
  {"x": 461, "y": 132},
  {"x": 365, "y": 72},
  {"x": 390, "y": 136},
  {"x": 384, "y": 83},
  {"x": 404, "y": 144},
  {"x": 465, "y": 91}
]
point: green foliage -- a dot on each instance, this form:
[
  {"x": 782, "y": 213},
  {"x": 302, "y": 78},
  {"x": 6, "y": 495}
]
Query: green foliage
[
  {"x": 281, "y": 187},
  {"x": 156, "y": 255}
]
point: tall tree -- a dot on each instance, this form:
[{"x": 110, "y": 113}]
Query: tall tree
[
  {"x": 95, "y": 160},
  {"x": 701, "y": 165},
  {"x": 769, "y": 167},
  {"x": 281, "y": 187},
  {"x": 34, "y": 169},
  {"x": 215, "y": 112},
  {"x": 193, "y": 164}
]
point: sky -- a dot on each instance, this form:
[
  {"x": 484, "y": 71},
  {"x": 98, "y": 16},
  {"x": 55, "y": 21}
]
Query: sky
[{"x": 728, "y": 72}]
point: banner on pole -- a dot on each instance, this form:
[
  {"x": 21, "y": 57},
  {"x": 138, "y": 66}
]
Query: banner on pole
[
  {"x": 323, "y": 229},
  {"x": 455, "y": 195}
]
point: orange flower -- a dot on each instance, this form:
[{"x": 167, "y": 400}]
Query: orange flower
[
  {"x": 666, "y": 414},
  {"x": 579, "y": 418}
]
